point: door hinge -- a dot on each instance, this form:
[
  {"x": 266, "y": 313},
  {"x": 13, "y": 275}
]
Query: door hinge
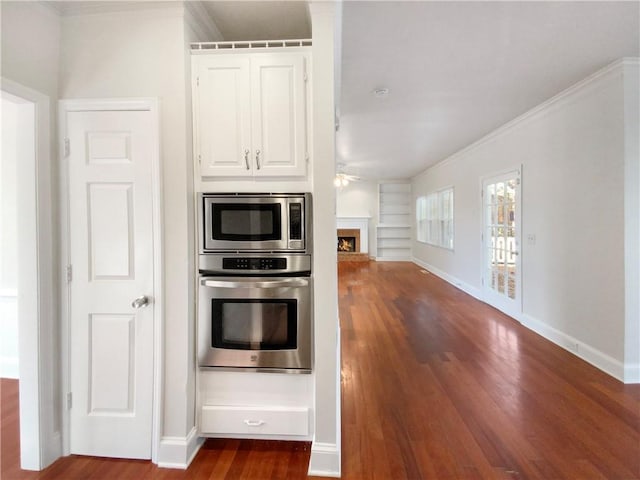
[
  {"x": 69, "y": 273},
  {"x": 197, "y": 81},
  {"x": 69, "y": 401},
  {"x": 200, "y": 159},
  {"x": 67, "y": 147},
  {"x": 518, "y": 181}
]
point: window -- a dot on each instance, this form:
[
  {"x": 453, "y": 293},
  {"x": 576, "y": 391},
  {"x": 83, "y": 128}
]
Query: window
[{"x": 434, "y": 218}]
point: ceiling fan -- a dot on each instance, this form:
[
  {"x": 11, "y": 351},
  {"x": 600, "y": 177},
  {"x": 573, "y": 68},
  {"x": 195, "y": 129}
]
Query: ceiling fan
[{"x": 342, "y": 179}]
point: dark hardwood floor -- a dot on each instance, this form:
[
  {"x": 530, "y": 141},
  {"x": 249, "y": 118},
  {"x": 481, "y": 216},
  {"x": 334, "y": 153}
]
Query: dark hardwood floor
[{"x": 436, "y": 385}]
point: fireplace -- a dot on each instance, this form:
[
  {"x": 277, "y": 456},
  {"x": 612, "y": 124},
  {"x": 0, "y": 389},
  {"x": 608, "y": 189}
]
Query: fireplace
[
  {"x": 349, "y": 245},
  {"x": 349, "y": 240},
  {"x": 346, "y": 244}
]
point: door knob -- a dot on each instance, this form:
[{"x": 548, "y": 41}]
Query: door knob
[{"x": 140, "y": 302}]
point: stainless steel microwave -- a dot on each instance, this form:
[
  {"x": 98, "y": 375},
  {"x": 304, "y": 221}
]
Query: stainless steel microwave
[{"x": 255, "y": 222}]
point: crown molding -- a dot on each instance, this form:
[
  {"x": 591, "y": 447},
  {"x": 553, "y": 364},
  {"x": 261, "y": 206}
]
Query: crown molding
[
  {"x": 199, "y": 19},
  {"x": 78, "y": 8},
  {"x": 591, "y": 81}
]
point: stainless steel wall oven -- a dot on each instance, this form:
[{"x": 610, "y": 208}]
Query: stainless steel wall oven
[{"x": 255, "y": 285}]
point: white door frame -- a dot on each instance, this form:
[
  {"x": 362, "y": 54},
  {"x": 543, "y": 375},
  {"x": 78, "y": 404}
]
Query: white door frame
[
  {"x": 517, "y": 312},
  {"x": 115, "y": 104},
  {"x": 40, "y": 442}
]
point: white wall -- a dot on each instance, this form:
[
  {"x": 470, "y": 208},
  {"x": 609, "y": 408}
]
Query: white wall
[
  {"x": 360, "y": 199},
  {"x": 30, "y": 45},
  {"x": 326, "y": 448},
  {"x": 571, "y": 150},
  {"x": 142, "y": 54}
]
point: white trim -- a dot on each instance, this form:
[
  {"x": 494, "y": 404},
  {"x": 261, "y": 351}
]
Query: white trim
[
  {"x": 37, "y": 351},
  {"x": 404, "y": 258},
  {"x": 158, "y": 283},
  {"x": 200, "y": 21},
  {"x": 544, "y": 108},
  {"x": 632, "y": 373},
  {"x": 205, "y": 47},
  {"x": 325, "y": 460},
  {"x": 631, "y": 79},
  {"x": 586, "y": 352},
  {"x": 456, "y": 282},
  {"x": 147, "y": 8},
  {"x": 593, "y": 356},
  {"x": 152, "y": 105},
  {"x": 9, "y": 367},
  {"x": 178, "y": 452}
]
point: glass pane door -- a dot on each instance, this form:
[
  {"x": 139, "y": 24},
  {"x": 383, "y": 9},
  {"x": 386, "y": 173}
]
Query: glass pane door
[{"x": 501, "y": 240}]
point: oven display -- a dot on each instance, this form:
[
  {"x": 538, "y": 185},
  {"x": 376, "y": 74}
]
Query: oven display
[{"x": 248, "y": 263}]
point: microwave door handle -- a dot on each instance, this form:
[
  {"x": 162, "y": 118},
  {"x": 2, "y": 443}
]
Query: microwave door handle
[{"x": 284, "y": 282}]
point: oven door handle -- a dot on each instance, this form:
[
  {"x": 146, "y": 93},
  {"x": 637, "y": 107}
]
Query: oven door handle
[{"x": 283, "y": 282}]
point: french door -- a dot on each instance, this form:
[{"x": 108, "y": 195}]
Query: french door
[{"x": 501, "y": 242}]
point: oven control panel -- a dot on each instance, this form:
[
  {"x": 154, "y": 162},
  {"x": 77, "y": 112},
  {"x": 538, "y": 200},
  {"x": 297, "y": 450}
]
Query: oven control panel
[{"x": 254, "y": 263}]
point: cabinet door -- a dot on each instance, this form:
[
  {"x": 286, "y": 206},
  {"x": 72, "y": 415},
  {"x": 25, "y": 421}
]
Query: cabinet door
[
  {"x": 223, "y": 115},
  {"x": 278, "y": 118}
]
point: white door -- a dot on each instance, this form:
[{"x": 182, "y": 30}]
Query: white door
[
  {"x": 111, "y": 251},
  {"x": 501, "y": 242},
  {"x": 222, "y": 115},
  {"x": 279, "y": 124}
]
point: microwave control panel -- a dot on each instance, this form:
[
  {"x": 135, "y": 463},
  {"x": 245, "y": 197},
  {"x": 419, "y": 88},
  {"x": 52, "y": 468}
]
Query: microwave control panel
[{"x": 254, "y": 263}]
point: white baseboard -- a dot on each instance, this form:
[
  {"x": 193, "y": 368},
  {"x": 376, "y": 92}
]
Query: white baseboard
[
  {"x": 393, "y": 259},
  {"x": 178, "y": 452},
  {"x": 325, "y": 460},
  {"x": 465, "y": 287},
  {"x": 589, "y": 354},
  {"x": 600, "y": 360},
  {"x": 632, "y": 373},
  {"x": 9, "y": 367}
]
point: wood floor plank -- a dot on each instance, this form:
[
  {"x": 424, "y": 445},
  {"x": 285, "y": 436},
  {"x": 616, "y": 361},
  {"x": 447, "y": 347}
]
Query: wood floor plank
[{"x": 435, "y": 385}]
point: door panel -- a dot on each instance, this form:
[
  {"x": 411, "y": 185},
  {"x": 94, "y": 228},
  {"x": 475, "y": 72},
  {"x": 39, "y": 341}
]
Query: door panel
[
  {"x": 278, "y": 96},
  {"x": 109, "y": 333},
  {"x": 501, "y": 240},
  {"x": 110, "y": 213},
  {"x": 223, "y": 115},
  {"x": 111, "y": 251}
]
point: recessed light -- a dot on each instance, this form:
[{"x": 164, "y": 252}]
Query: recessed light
[{"x": 381, "y": 92}]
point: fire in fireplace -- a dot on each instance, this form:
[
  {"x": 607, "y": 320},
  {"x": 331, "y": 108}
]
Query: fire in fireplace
[{"x": 346, "y": 244}]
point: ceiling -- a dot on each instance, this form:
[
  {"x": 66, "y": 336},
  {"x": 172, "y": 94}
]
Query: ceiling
[
  {"x": 458, "y": 70},
  {"x": 260, "y": 20},
  {"x": 455, "y": 70}
]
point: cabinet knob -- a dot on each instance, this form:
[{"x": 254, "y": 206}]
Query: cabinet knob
[
  {"x": 258, "y": 159},
  {"x": 246, "y": 158}
]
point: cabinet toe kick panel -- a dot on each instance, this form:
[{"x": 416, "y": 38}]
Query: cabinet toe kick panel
[{"x": 216, "y": 420}]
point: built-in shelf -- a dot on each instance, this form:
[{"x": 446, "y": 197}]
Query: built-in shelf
[{"x": 393, "y": 232}]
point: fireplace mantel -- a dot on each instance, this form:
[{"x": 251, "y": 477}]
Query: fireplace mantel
[{"x": 359, "y": 223}]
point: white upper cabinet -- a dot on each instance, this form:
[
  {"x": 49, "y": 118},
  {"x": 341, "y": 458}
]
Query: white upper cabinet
[{"x": 250, "y": 114}]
